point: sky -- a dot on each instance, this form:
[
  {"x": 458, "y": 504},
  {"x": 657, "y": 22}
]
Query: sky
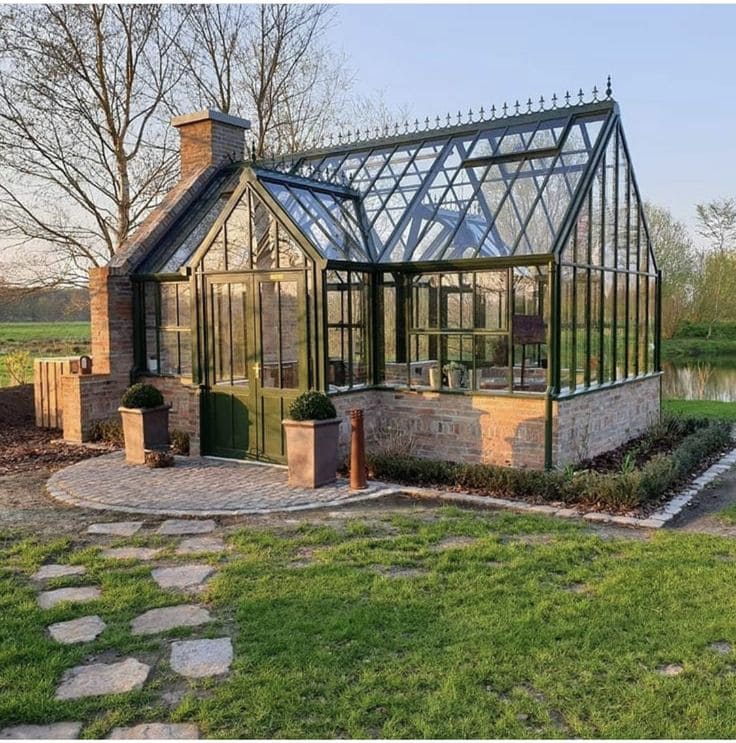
[{"x": 673, "y": 70}]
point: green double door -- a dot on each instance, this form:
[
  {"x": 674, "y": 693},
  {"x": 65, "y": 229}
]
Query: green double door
[{"x": 254, "y": 362}]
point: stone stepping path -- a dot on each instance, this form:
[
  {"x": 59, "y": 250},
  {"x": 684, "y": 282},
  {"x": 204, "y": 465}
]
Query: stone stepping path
[
  {"x": 46, "y": 572},
  {"x": 49, "y": 599},
  {"x": 184, "y": 577},
  {"x": 131, "y": 553},
  {"x": 169, "y": 617},
  {"x": 116, "y": 528},
  {"x": 178, "y": 527},
  {"x": 670, "y": 669},
  {"x": 102, "y": 678},
  {"x": 198, "y": 545},
  {"x": 200, "y": 658},
  {"x": 55, "y": 731},
  {"x": 84, "y": 629},
  {"x": 156, "y": 731}
]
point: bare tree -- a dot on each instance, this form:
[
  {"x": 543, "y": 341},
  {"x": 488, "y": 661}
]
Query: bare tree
[
  {"x": 84, "y": 149},
  {"x": 267, "y": 62}
]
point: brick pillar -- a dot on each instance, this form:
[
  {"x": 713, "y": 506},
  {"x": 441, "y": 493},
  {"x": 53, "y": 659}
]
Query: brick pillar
[
  {"x": 209, "y": 137},
  {"x": 111, "y": 310}
]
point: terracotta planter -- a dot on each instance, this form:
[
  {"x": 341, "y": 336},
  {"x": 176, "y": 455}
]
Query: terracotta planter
[
  {"x": 144, "y": 428},
  {"x": 455, "y": 379},
  {"x": 311, "y": 452}
]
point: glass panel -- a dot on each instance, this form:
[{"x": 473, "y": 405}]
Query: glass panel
[
  {"x": 184, "y": 313},
  {"x": 457, "y": 301},
  {"x": 263, "y": 229},
  {"x": 214, "y": 259},
  {"x": 238, "y": 236},
  {"x": 290, "y": 254},
  {"x": 289, "y": 333},
  {"x": 424, "y": 367},
  {"x": 491, "y": 295},
  {"x": 491, "y": 362},
  {"x": 567, "y": 328},
  {"x": 169, "y": 352},
  {"x": 238, "y": 334},
  {"x": 220, "y": 310},
  {"x": 270, "y": 315},
  {"x": 185, "y": 353},
  {"x": 169, "y": 315},
  {"x": 529, "y": 329},
  {"x": 456, "y": 353}
]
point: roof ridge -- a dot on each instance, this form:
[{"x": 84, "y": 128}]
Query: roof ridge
[{"x": 444, "y": 124}]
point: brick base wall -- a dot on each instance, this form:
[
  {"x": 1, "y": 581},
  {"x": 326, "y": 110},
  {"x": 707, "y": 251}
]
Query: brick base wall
[
  {"x": 485, "y": 429},
  {"x": 587, "y": 425}
]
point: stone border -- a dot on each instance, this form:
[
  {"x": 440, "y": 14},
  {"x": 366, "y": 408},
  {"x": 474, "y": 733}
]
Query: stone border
[{"x": 657, "y": 520}]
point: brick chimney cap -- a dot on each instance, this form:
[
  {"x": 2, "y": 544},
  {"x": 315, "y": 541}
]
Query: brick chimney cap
[{"x": 211, "y": 114}]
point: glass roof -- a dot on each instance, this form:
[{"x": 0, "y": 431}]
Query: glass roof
[
  {"x": 330, "y": 219},
  {"x": 499, "y": 189}
]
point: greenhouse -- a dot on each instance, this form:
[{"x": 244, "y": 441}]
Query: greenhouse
[{"x": 488, "y": 286}]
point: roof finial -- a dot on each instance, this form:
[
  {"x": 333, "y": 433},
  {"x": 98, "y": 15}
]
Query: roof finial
[
  {"x": 595, "y": 94},
  {"x": 253, "y": 151},
  {"x": 609, "y": 89}
]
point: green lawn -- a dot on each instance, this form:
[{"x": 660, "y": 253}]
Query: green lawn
[
  {"x": 537, "y": 629},
  {"x": 713, "y": 409},
  {"x": 40, "y": 339}
]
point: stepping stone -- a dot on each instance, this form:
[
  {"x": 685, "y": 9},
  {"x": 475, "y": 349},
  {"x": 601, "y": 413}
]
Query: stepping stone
[
  {"x": 116, "y": 528},
  {"x": 45, "y": 572},
  {"x": 130, "y": 553},
  {"x": 199, "y": 658},
  {"x": 161, "y": 620},
  {"x": 84, "y": 629},
  {"x": 55, "y": 731},
  {"x": 156, "y": 731},
  {"x": 398, "y": 571},
  {"x": 49, "y": 599},
  {"x": 722, "y": 647},
  {"x": 185, "y": 576},
  {"x": 670, "y": 669},
  {"x": 186, "y": 526},
  {"x": 103, "y": 678},
  {"x": 196, "y": 545}
]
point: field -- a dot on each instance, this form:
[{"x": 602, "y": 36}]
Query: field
[{"x": 39, "y": 339}]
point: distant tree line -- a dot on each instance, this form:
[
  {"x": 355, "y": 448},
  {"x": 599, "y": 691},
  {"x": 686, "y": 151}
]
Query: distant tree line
[
  {"x": 18, "y": 304},
  {"x": 699, "y": 283}
]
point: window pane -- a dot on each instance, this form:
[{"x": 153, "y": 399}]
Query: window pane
[
  {"x": 168, "y": 304},
  {"x": 184, "y": 297},
  {"x": 288, "y": 331},
  {"x": 491, "y": 295},
  {"x": 214, "y": 259},
  {"x": 457, "y": 361},
  {"x": 238, "y": 236},
  {"x": 169, "y": 356},
  {"x": 491, "y": 362}
]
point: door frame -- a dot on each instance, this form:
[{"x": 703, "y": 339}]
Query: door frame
[{"x": 253, "y": 397}]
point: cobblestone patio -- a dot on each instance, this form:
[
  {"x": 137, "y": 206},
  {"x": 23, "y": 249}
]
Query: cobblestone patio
[{"x": 194, "y": 487}]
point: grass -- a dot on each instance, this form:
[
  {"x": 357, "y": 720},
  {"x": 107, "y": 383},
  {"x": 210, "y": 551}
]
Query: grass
[
  {"x": 727, "y": 515},
  {"x": 537, "y": 629},
  {"x": 40, "y": 339},
  {"x": 711, "y": 409}
]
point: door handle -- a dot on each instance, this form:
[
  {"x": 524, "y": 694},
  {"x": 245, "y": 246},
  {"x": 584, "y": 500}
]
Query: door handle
[{"x": 257, "y": 371}]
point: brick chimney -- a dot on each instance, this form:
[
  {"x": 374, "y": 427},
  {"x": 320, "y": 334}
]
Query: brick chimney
[{"x": 209, "y": 137}]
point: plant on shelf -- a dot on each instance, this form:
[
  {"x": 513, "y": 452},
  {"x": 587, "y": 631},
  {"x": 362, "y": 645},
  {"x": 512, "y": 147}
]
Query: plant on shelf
[
  {"x": 455, "y": 372},
  {"x": 435, "y": 378},
  {"x": 311, "y": 440},
  {"x": 145, "y": 421}
]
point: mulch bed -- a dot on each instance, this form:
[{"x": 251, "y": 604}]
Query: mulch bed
[{"x": 23, "y": 447}]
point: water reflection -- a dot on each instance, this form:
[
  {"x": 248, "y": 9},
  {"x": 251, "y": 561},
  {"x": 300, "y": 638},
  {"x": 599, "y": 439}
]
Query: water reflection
[{"x": 699, "y": 381}]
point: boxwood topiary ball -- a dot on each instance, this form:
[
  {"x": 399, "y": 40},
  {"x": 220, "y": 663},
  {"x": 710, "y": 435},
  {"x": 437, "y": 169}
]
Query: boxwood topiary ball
[
  {"x": 312, "y": 406},
  {"x": 142, "y": 396}
]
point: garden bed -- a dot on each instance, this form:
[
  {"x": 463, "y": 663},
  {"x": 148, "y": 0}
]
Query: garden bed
[{"x": 633, "y": 480}]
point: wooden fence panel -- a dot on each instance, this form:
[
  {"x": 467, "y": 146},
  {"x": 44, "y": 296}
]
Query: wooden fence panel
[{"x": 47, "y": 393}]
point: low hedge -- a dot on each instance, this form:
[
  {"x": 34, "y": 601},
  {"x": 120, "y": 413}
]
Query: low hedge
[{"x": 612, "y": 491}]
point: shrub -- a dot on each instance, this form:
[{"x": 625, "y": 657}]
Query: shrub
[
  {"x": 390, "y": 439},
  {"x": 622, "y": 490},
  {"x": 179, "y": 442},
  {"x": 110, "y": 431},
  {"x": 142, "y": 396},
  {"x": 19, "y": 367},
  {"x": 312, "y": 406}
]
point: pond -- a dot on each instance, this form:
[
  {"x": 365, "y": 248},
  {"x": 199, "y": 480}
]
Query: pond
[{"x": 699, "y": 381}]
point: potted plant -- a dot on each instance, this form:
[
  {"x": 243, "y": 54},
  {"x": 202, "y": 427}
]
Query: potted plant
[
  {"x": 435, "y": 378},
  {"x": 311, "y": 440},
  {"x": 455, "y": 372},
  {"x": 145, "y": 421}
]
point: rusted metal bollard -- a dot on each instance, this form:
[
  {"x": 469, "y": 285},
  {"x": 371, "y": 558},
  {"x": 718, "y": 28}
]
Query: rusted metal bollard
[{"x": 358, "y": 479}]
